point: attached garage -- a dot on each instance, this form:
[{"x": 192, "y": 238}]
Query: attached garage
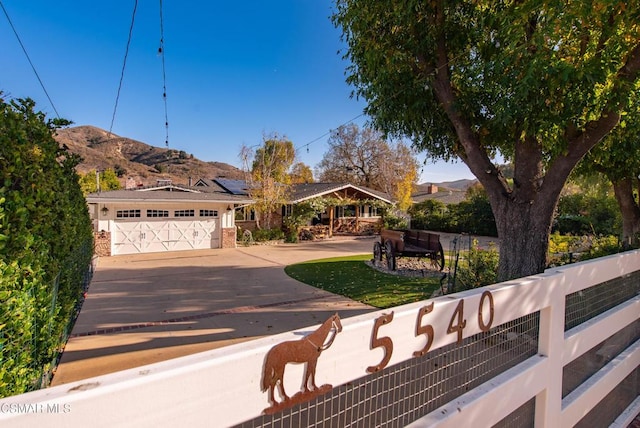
[
  {"x": 164, "y": 218},
  {"x": 132, "y": 237}
]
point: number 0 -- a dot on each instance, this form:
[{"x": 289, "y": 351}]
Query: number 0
[{"x": 485, "y": 326}]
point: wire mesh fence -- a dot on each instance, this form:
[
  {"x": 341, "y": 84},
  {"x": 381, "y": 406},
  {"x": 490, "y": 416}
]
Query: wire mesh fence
[
  {"x": 398, "y": 395},
  {"x": 609, "y": 408},
  {"x": 593, "y": 301}
]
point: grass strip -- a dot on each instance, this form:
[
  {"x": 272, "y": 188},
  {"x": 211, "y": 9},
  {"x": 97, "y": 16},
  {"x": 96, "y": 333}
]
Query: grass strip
[{"x": 352, "y": 278}]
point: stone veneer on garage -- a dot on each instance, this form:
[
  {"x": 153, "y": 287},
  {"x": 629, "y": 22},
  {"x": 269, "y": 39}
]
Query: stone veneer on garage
[
  {"x": 102, "y": 244},
  {"x": 228, "y": 237}
]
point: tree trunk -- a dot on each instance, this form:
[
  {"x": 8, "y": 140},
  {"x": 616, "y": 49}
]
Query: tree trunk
[
  {"x": 629, "y": 209},
  {"x": 524, "y": 230}
]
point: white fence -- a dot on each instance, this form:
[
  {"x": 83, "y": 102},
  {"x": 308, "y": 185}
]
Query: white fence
[{"x": 382, "y": 374}]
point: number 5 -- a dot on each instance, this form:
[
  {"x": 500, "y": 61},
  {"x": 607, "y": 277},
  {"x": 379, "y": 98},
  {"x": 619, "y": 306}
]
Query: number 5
[
  {"x": 384, "y": 342},
  {"x": 427, "y": 330}
]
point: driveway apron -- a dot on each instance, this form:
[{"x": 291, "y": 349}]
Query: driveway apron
[{"x": 147, "y": 308}]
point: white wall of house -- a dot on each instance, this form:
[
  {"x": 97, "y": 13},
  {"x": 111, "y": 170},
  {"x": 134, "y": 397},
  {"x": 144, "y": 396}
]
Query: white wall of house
[{"x": 140, "y": 227}]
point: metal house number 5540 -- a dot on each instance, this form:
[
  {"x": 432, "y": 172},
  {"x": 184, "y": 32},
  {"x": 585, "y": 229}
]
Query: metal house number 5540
[{"x": 456, "y": 326}]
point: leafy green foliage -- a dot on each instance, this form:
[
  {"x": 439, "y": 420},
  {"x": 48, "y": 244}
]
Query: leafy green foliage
[
  {"x": 262, "y": 235},
  {"x": 479, "y": 268},
  {"x": 581, "y": 214},
  {"x": 108, "y": 181},
  {"x": 391, "y": 221},
  {"x": 540, "y": 83},
  {"x": 45, "y": 244},
  {"x": 473, "y": 215},
  {"x": 268, "y": 175},
  {"x": 565, "y": 249},
  {"x": 351, "y": 277}
]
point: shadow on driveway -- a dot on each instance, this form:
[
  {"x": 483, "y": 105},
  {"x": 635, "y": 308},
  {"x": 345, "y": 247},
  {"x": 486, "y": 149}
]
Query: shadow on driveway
[{"x": 147, "y": 308}]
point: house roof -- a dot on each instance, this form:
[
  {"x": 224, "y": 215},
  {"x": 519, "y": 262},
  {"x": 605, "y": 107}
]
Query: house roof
[
  {"x": 168, "y": 193},
  {"x": 237, "y": 187},
  {"x": 305, "y": 191},
  {"x": 447, "y": 197},
  {"x": 209, "y": 184},
  {"x": 299, "y": 192}
]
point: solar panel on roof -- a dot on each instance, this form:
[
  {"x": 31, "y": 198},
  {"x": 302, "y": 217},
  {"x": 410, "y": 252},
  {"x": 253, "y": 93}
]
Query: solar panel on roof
[{"x": 236, "y": 187}]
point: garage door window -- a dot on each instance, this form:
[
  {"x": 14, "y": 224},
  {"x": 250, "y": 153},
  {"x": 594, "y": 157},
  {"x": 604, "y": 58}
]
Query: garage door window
[
  {"x": 184, "y": 213},
  {"x": 157, "y": 213},
  {"x": 208, "y": 213},
  {"x": 127, "y": 213}
]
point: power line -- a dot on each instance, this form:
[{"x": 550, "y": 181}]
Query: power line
[
  {"x": 164, "y": 78},
  {"x": 124, "y": 64},
  {"x": 328, "y": 132},
  {"x": 29, "y": 59}
]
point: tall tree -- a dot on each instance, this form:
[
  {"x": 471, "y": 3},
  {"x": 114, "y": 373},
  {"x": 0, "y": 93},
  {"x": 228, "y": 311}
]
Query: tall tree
[
  {"x": 108, "y": 180},
  {"x": 301, "y": 173},
  {"x": 364, "y": 157},
  {"x": 618, "y": 158},
  {"x": 268, "y": 175},
  {"x": 539, "y": 82}
]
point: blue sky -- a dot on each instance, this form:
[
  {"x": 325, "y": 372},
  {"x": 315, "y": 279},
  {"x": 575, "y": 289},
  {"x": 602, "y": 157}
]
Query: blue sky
[{"x": 234, "y": 72}]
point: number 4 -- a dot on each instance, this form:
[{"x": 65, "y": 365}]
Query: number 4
[{"x": 458, "y": 319}]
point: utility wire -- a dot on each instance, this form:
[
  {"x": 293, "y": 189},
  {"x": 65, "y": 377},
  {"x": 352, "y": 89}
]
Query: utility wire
[
  {"x": 328, "y": 132},
  {"x": 164, "y": 78},
  {"x": 124, "y": 64},
  {"x": 29, "y": 59},
  {"x": 362, "y": 114}
]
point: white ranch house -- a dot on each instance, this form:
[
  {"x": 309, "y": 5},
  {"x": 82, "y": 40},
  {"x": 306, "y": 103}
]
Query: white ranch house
[
  {"x": 357, "y": 216},
  {"x": 163, "y": 218}
]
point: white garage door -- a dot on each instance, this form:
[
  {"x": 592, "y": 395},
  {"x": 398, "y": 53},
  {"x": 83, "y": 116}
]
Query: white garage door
[{"x": 132, "y": 237}]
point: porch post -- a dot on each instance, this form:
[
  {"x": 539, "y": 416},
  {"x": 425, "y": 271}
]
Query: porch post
[{"x": 331, "y": 221}]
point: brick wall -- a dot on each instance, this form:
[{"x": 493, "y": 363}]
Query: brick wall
[
  {"x": 102, "y": 244},
  {"x": 229, "y": 237}
]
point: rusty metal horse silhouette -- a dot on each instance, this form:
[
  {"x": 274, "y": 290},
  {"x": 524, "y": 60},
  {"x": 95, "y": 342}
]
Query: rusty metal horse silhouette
[{"x": 305, "y": 350}]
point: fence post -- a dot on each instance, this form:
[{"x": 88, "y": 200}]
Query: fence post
[{"x": 551, "y": 345}]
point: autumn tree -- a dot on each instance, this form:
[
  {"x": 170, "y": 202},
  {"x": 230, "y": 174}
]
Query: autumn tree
[
  {"x": 539, "y": 83},
  {"x": 301, "y": 173},
  {"x": 267, "y": 172},
  {"x": 108, "y": 180},
  {"x": 365, "y": 158}
]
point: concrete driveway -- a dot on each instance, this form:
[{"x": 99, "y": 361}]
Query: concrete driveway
[{"x": 147, "y": 308}]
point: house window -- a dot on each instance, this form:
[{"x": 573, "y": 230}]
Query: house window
[
  {"x": 368, "y": 211},
  {"x": 157, "y": 213},
  {"x": 346, "y": 211},
  {"x": 287, "y": 210},
  {"x": 208, "y": 213},
  {"x": 127, "y": 213},
  {"x": 184, "y": 213},
  {"x": 245, "y": 214}
]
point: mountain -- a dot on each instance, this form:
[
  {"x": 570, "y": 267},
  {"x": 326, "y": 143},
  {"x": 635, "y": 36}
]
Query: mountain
[
  {"x": 134, "y": 160},
  {"x": 458, "y": 185}
]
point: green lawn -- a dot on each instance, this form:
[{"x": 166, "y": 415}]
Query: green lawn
[{"x": 351, "y": 277}]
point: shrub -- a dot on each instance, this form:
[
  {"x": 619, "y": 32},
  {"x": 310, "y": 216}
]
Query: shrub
[
  {"x": 480, "y": 269},
  {"x": 394, "y": 222},
  {"x": 262, "y": 235},
  {"x": 46, "y": 245}
]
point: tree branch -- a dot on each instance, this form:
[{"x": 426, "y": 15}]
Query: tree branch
[{"x": 580, "y": 142}]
